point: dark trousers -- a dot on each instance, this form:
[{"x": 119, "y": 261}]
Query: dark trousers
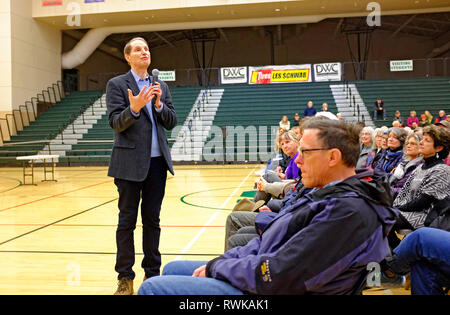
[{"x": 151, "y": 191}]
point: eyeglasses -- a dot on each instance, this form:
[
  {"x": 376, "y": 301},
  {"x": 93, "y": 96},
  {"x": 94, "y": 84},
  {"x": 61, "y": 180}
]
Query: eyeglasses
[{"x": 302, "y": 151}]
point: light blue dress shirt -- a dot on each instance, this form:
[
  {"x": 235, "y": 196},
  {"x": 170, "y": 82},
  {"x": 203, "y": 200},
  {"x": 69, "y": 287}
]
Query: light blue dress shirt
[{"x": 155, "y": 152}]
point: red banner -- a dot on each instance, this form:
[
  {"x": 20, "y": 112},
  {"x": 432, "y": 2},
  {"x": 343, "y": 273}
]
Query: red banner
[{"x": 47, "y": 3}]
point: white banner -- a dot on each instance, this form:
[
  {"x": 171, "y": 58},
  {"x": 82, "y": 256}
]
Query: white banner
[
  {"x": 331, "y": 71},
  {"x": 401, "y": 65},
  {"x": 280, "y": 74},
  {"x": 167, "y": 75},
  {"x": 232, "y": 75}
]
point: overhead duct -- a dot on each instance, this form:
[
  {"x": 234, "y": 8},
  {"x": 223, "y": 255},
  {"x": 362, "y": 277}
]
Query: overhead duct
[
  {"x": 85, "y": 47},
  {"x": 93, "y": 38}
]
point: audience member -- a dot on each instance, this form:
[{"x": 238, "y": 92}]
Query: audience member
[
  {"x": 412, "y": 119},
  {"x": 280, "y": 159},
  {"x": 372, "y": 159},
  {"x": 392, "y": 156},
  {"x": 296, "y": 120},
  {"x": 398, "y": 117},
  {"x": 367, "y": 139},
  {"x": 294, "y": 255},
  {"x": 384, "y": 144},
  {"x": 243, "y": 222},
  {"x": 445, "y": 124},
  {"x": 309, "y": 110},
  {"x": 425, "y": 253},
  {"x": 243, "y": 226},
  {"x": 324, "y": 107},
  {"x": 411, "y": 160},
  {"x": 428, "y": 184},
  {"x": 409, "y": 130},
  {"x": 289, "y": 143},
  {"x": 441, "y": 116},
  {"x": 339, "y": 116},
  {"x": 284, "y": 123},
  {"x": 429, "y": 117},
  {"x": 379, "y": 109},
  {"x": 423, "y": 121}
]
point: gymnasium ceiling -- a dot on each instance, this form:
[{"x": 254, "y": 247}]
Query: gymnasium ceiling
[{"x": 428, "y": 19}]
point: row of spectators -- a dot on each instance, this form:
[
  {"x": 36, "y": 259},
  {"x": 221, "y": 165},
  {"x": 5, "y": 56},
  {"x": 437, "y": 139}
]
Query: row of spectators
[
  {"x": 329, "y": 206},
  {"x": 415, "y": 163}
]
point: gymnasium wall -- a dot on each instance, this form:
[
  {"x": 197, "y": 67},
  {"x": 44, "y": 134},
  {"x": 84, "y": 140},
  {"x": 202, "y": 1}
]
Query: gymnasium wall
[
  {"x": 306, "y": 43},
  {"x": 30, "y": 58}
]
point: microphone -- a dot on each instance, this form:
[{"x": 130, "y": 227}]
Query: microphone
[{"x": 155, "y": 73}]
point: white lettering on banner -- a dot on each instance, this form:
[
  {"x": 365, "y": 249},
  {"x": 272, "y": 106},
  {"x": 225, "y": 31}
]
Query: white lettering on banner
[
  {"x": 167, "y": 75},
  {"x": 401, "y": 65},
  {"x": 232, "y": 75},
  {"x": 328, "y": 71}
]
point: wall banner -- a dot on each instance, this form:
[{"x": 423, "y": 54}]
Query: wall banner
[
  {"x": 280, "y": 74},
  {"x": 401, "y": 65},
  {"x": 232, "y": 75},
  {"x": 331, "y": 71},
  {"x": 47, "y": 3},
  {"x": 167, "y": 75}
]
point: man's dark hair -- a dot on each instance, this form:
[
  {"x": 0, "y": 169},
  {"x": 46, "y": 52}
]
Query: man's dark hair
[
  {"x": 441, "y": 137},
  {"x": 128, "y": 46},
  {"x": 340, "y": 135}
]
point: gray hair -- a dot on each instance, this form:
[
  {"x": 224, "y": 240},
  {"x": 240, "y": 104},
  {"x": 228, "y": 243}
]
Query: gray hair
[
  {"x": 400, "y": 134},
  {"x": 371, "y": 131}
]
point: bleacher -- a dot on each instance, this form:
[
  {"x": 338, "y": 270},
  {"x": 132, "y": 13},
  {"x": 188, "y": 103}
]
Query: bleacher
[
  {"x": 241, "y": 106},
  {"x": 46, "y": 126},
  {"x": 264, "y": 105},
  {"x": 422, "y": 94},
  {"x": 95, "y": 146}
]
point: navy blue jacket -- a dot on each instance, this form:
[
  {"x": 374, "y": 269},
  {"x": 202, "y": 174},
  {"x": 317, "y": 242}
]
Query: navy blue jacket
[{"x": 321, "y": 244}]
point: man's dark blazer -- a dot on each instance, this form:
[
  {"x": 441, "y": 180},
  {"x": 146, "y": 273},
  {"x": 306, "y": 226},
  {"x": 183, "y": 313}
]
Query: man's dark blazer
[{"x": 131, "y": 156}]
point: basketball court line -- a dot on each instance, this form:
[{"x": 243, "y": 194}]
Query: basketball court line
[
  {"x": 215, "y": 214},
  {"x": 57, "y": 195},
  {"x": 97, "y": 253},
  {"x": 51, "y": 224},
  {"x": 108, "y": 225}
]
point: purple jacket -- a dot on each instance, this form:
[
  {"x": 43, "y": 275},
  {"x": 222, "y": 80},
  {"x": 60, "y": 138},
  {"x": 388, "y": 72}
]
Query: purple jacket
[
  {"x": 292, "y": 168},
  {"x": 321, "y": 244}
]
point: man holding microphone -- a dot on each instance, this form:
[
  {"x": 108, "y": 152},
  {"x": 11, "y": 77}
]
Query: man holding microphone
[{"x": 139, "y": 108}]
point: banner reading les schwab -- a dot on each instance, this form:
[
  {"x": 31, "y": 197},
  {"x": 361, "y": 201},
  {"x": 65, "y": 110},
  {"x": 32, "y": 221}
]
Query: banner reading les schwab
[{"x": 280, "y": 74}]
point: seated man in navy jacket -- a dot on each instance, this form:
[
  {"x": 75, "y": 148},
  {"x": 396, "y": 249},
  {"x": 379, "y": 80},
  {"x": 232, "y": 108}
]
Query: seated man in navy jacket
[{"x": 321, "y": 244}]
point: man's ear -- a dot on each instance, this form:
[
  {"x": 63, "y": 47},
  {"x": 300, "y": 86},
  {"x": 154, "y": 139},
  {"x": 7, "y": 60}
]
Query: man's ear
[{"x": 334, "y": 157}]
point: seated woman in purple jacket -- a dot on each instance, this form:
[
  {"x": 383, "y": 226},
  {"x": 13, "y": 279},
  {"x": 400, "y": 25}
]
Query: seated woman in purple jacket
[{"x": 289, "y": 145}]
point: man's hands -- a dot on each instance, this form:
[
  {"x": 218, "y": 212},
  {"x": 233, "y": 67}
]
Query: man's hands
[
  {"x": 200, "y": 272},
  {"x": 144, "y": 97}
]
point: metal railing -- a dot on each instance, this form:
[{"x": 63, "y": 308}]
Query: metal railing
[{"x": 48, "y": 97}]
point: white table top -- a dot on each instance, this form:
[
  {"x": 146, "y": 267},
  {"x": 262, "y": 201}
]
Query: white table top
[{"x": 38, "y": 157}]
